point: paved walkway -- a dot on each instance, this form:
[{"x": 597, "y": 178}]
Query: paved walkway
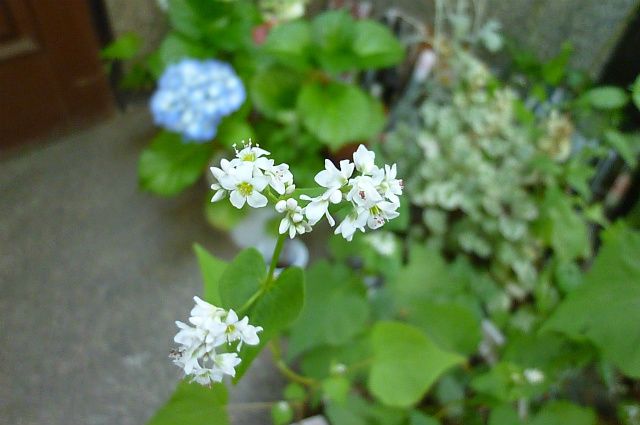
[{"x": 92, "y": 275}]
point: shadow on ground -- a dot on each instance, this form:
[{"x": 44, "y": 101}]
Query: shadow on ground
[{"x": 93, "y": 274}]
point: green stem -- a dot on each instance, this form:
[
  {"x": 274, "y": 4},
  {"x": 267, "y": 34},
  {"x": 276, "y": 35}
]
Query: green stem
[
  {"x": 285, "y": 370},
  {"x": 274, "y": 259}
]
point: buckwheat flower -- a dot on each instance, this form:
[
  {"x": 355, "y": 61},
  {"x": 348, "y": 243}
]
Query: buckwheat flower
[
  {"x": 253, "y": 155},
  {"x": 245, "y": 187},
  {"x": 364, "y": 190},
  {"x": 333, "y": 179},
  {"x": 193, "y": 96},
  {"x": 280, "y": 178},
  {"x": 356, "y": 220},
  {"x": 212, "y": 327},
  {"x": 293, "y": 222},
  {"x": 364, "y": 160},
  {"x": 318, "y": 207},
  {"x": 239, "y": 330},
  {"x": 382, "y": 212},
  {"x": 533, "y": 376},
  {"x": 390, "y": 187}
]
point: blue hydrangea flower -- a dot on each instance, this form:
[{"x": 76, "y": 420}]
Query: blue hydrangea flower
[{"x": 193, "y": 96}]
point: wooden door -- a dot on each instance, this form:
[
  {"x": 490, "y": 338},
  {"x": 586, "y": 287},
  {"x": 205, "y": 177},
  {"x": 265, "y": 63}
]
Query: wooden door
[{"x": 51, "y": 78}]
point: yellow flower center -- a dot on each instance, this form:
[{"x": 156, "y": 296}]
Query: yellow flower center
[{"x": 245, "y": 188}]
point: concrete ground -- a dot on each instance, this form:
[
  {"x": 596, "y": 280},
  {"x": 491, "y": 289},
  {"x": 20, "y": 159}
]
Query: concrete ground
[{"x": 93, "y": 274}]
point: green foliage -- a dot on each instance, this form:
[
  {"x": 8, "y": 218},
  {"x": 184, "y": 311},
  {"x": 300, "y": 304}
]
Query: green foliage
[
  {"x": 290, "y": 44},
  {"x": 561, "y": 226},
  {"x": 335, "y": 309},
  {"x": 274, "y": 91},
  {"x": 169, "y": 165},
  {"x": 281, "y": 413},
  {"x": 193, "y": 404},
  {"x": 607, "y": 97},
  {"x": 606, "y": 307},
  {"x": 278, "y": 305},
  {"x": 375, "y": 46},
  {"x": 218, "y": 24},
  {"x": 212, "y": 270},
  {"x": 241, "y": 279},
  {"x": 564, "y": 413},
  {"x": 223, "y": 215},
  {"x": 399, "y": 375},
  {"x": 635, "y": 92},
  {"x": 125, "y": 47},
  {"x": 325, "y": 108}
]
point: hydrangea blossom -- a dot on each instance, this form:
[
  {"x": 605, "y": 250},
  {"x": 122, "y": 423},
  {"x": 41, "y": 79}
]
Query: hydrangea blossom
[
  {"x": 211, "y": 327},
  {"x": 371, "y": 197},
  {"x": 193, "y": 96}
]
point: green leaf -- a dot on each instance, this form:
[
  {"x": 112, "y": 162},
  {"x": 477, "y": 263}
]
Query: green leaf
[
  {"x": 281, "y": 413},
  {"x": 169, "y": 165},
  {"x": 333, "y": 34},
  {"x": 329, "y": 288},
  {"x": 635, "y": 92},
  {"x": 418, "y": 418},
  {"x": 124, "y": 47},
  {"x": 504, "y": 415},
  {"x": 234, "y": 129},
  {"x": 242, "y": 278},
  {"x": 376, "y": 46},
  {"x": 274, "y": 310},
  {"x": 176, "y": 47},
  {"x": 562, "y": 227},
  {"x": 357, "y": 411},
  {"x": 623, "y": 145},
  {"x": 318, "y": 362},
  {"x": 338, "y": 113},
  {"x": 336, "y": 388},
  {"x": 406, "y": 363},
  {"x": 606, "y": 308},
  {"x": 212, "y": 269},
  {"x": 290, "y": 44},
  {"x": 564, "y": 413},
  {"x": 452, "y": 326},
  {"x": 274, "y": 92},
  {"x": 219, "y": 24},
  {"x": 607, "y": 97},
  {"x": 193, "y": 404}
]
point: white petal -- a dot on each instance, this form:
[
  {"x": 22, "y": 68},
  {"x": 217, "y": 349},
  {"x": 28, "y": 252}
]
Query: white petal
[
  {"x": 257, "y": 200},
  {"x": 315, "y": 210},
  {"x": 218, "y": 196},
  {"x": 284, "y": 225},
  {"x": 237, "y": 200}
]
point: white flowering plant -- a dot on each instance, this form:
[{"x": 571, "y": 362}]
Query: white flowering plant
[
  {"x": 234, "y": 70},
  {"x": 247, "y": 305}
]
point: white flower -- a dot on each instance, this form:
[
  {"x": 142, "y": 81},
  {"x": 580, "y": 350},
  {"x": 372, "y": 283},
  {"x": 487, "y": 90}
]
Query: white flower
[
  {"x": 333, "y": 179},
  {"x": 253, "y": 155},
  {"x": 382, "y": 212},
  {"x": 280, "y": 178},
  {"x": 319, "y": 207},
  {"x": 241, "y": 330},
  {"x": 390, "y": 187},
  {"x": 219, "y": 173},
  {"x": 212, "y": 327},
  {"x": 356, "y": 220},
  {"x": 533, "y": 376},
  {"x": 245, "y": 187},
  {"x": 293, "y": 222},
  {"x": 364, "y": 160},
  {"x": 364, "y": 191}
]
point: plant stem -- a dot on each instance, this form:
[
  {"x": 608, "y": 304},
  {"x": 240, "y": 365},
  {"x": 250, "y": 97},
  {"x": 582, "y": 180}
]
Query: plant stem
[
  {"x": 275, "y": 258},
  {"x": 285, "y": 370}
]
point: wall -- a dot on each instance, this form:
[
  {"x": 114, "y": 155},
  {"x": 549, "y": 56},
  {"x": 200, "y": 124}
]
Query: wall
[{"x": 592, "y": 26}]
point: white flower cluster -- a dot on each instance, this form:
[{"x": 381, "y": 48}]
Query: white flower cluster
[
  {"x": 212, "y": 328},
  {"x": 372, "y": 196},
  {"x": 247, "y": 175}
]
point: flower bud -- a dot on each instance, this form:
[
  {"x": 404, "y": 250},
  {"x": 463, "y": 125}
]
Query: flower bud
[
  {"x": 292, "y": 204},
  {"x": 281, "y": 206}
]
